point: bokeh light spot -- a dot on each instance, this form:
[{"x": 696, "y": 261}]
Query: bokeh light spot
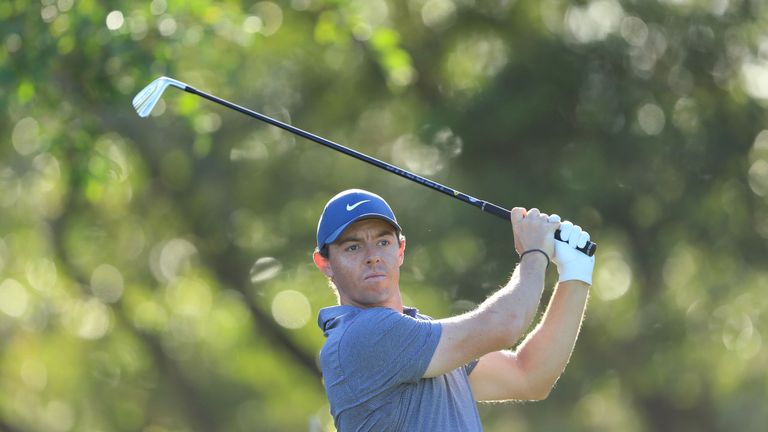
[
  {"x": 291, "y": 309},
  {"x": 686, "y": 115},
  {"x": 173, "y": 259},
  {"x": 91, "y": 319},
  {"x": 107, "y": 283},
  {"x": 115, "y": 20},
  {"x": 190, "y": 297},
  {"x": 739, "y": 333},
  {"x": 158, "y": 7},
  {"x": 49, "y": 13},
  {"x": 58, "y": 416},
  {"x": 612, "y": 277},
  {"x": 41, "y": 274},
  {"x": 758, "y": 177},
  {"x": 49, "y": 170},
  {"x": 755, "y": 77},
  {"x": 271, "y": 16},
  {"x": 438, "y": 13},
  {"x": 167, "y": 26},
  {"x": 65, "y": 5},
  {"x": 26, "y": 136},
  {"x": 422, "y": 159},
  {"x": 634, "y": 31},
  {"x": 448, "y": 142},
  {"x": 264, "y": 269},
  {"x": 13, "y": 42},
  {"x": 651, "y": 119},
  {"x": 761, "y": 140},
  {"x": 15, "y": 299},
  {"x": 138, "y": 26},
  {"x": 474, "y": 61},
  {"x": 252, "y": 24},
  {"x": 595, "y": 21}
]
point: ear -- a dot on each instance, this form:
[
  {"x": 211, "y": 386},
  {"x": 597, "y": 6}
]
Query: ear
[
  {"x": 401, "y": 252},
  {"x": 322, "y": 263}
]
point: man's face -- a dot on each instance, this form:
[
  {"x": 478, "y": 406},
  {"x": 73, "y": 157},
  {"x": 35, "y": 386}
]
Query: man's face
[{"x": 364, "y": 264}]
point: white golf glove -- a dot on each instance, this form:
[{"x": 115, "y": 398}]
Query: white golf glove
[{"x": 571, "y": 263}]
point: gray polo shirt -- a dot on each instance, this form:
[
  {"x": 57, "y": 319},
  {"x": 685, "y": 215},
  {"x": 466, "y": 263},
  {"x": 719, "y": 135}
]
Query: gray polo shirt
[{"x": 373, "y": 361}]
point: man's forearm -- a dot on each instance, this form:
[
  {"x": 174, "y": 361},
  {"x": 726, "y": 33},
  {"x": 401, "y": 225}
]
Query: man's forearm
[
  {"x": 547, "y": 349},
  {"x": 511, "y": 310}
]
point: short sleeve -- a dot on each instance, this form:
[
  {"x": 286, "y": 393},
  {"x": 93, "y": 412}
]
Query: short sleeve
[{"x": 383, "y": 348}]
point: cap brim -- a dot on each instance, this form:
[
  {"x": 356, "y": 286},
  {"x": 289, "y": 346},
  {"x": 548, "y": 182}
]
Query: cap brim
[{"x": 335, "y": 235}]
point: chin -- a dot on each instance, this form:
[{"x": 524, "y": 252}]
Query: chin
[
  {"x": 371, "y": 294},
  {"x": 374, "y": 299}
]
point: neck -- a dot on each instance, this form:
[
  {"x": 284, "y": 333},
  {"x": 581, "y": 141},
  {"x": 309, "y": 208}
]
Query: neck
[{"x": 395, "y": 303}]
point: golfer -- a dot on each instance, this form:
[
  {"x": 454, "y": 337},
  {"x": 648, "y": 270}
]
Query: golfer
[{"x": 388, "y": 368}]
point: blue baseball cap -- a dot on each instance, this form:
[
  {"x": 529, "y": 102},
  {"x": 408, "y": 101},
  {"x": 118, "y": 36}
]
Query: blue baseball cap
[{"x": 348, "y": 207}]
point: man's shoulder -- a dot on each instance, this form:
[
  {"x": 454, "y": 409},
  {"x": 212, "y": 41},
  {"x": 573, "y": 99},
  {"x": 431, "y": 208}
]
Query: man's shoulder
[
  {"x": 334, "y": 313},
  {"x": 352, "y": 315},
  {"x": 355, "y": 333},
  {"x": 345, "y": 318}
]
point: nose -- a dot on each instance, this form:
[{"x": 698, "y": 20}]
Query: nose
[{"x": 373, "y": 257}]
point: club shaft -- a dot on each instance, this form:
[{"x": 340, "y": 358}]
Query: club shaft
[{"x": 485, "y": 206}]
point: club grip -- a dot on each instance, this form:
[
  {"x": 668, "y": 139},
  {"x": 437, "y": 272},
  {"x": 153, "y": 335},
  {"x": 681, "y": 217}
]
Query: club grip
[{"x": 589, "y": 249}]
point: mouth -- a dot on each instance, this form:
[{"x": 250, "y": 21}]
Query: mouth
[{"x": 375, "y": 276}]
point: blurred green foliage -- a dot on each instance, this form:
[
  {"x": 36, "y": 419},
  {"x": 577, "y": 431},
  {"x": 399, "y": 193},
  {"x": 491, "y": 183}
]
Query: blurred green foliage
[{"x": 155, "y": 275}]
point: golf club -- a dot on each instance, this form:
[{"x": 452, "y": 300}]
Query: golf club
[{"x": 147, "y": 98}]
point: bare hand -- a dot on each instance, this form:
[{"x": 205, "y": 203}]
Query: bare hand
[{"x": 533, "y": 230}]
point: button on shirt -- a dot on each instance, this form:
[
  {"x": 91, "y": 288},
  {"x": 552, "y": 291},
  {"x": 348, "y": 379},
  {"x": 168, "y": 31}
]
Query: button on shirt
[{"x": 373, "y": 362}]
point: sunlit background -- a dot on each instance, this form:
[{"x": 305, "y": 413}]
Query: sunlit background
[{"x": 156, "y": 274}]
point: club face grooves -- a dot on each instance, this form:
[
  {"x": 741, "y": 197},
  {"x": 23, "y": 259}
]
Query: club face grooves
[{"x": 144, "y": 102}]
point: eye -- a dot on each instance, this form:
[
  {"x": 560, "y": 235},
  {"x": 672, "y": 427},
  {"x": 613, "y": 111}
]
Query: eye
[
  {"x": 384, "y": 242},
  {"x": 352, "y": 248}
]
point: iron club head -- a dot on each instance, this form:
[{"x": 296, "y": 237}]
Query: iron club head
[{"x": 144, "y": 102}]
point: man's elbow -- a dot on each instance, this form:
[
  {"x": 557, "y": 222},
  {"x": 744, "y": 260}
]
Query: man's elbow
[
  {"x": 540, "y": 394},
  {"x": 541, "y": 390},
  {"x": 528, "y": 395},
  {"x": 506, "y": 331}
]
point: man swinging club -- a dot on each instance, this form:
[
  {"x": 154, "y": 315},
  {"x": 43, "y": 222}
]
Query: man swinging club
[{"x": 388, "y": 368}]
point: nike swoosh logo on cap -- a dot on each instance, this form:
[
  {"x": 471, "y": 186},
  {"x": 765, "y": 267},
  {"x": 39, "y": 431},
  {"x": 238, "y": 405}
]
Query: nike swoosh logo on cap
[{"x": 352, "y": 207}]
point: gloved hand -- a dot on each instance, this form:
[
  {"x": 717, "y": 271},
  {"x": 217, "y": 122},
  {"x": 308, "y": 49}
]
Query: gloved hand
[{"x": 571, "y": 263}]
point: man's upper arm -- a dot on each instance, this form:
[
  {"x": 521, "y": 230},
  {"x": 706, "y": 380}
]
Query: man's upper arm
[
  {"x": 499, "y": 376},
  {"x": 463, "y": 339}
]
